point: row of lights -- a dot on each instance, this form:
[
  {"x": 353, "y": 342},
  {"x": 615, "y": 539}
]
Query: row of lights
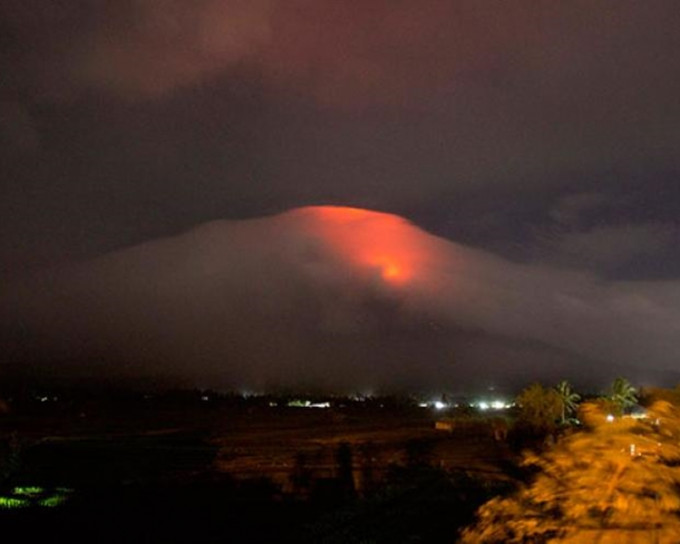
[{"x": 480, "y": 405}]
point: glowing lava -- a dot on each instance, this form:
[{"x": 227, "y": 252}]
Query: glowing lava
[
  {"x": 380, "y": 242},
  {"x": 391, "y": 271}
]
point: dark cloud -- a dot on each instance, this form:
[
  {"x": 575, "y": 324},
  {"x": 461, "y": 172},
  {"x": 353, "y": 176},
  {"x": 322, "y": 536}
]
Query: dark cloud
[
  {"x": 18, "y": 134},
  {"x": 609, "y": 248},
  {"x": 134, "y": 49}
]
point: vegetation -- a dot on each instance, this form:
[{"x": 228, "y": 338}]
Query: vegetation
[
  {"x": 33, "y": 496},
  {"x": 615, "y": 481},
  {"x": 569, "y": 399},
  {"x": 623, "y": 395},
  {"x": 652, "y": 394},
  {"x": 539, "y": 409}
]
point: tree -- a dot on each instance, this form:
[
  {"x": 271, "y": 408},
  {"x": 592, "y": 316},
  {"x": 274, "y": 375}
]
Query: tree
[
  {"x": 569, "y": 399},
  {"x": 612, "y": 482},
  {"x": 539, "y": 408},
  {"x": 622, "y": 394}
]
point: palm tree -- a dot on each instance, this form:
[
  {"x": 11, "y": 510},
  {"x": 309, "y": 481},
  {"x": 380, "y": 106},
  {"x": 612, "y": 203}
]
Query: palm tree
[
  {"x": 568, "y": 397},
  {"x": 623, "y": 394}
]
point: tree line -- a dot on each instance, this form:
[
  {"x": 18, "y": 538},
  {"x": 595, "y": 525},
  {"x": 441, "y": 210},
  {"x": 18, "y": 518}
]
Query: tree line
[{"x": 543, "y": 410}]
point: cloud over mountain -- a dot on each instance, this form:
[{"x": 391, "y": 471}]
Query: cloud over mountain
[{"x": 330, "y": 297}]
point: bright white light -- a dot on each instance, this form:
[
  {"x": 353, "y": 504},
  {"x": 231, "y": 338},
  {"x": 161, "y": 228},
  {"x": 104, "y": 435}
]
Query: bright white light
[
  {"x": 498, "y": 405},
  {"x": 610, "y": 418},
  {"x": 483, "y": 405},
  {"x": 423, "y": 405},
  {"x": 439, "y": 405},
  {"x": 319, "y": 405}
]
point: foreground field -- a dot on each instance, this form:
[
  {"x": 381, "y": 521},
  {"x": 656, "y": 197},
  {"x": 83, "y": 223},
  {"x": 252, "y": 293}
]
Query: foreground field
[{"x": 251, "y": 473}]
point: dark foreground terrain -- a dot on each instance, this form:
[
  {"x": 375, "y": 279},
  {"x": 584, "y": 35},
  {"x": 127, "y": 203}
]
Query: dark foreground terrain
[{"x": 199, "y": 470}]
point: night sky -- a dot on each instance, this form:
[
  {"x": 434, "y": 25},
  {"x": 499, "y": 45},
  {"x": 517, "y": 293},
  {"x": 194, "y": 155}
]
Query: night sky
[{"x": 164, "y": 164}]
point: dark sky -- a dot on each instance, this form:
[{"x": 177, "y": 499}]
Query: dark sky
[{"x": 540, "y": 135}]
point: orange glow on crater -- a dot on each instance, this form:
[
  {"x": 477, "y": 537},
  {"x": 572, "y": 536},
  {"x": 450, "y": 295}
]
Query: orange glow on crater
[
  {"x": 341, "y": 214},
  {"x": 391, "y": 271},
  {"x": 390, "y": 267},
  {"x": 380, "y": 242}
]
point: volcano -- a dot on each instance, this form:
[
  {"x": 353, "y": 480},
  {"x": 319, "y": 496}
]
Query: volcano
[{"x": 330, "y": 297}]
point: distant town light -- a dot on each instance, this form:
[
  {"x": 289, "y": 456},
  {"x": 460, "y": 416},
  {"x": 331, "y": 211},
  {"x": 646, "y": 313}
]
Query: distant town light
[
  {"x": 491, "y": 405},
  {"x": 300, "y": 403},
  {"x": 439, "y": 405}
]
